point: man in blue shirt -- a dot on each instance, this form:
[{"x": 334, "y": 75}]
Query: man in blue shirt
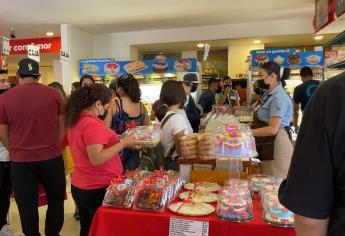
[
  {"x": 303, "y": 92},
  {"x": 208, "y": 98}
]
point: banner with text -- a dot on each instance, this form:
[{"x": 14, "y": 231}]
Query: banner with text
[{"x": 46, "y": 45}]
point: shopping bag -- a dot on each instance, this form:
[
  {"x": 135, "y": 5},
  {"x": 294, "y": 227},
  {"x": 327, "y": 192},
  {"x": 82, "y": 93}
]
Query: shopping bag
[{"x": 68, "y": 160}]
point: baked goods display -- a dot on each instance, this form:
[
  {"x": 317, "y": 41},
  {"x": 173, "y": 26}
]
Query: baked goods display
[
  {"x": 147, "y": 136},
  {"x": 135, "y": 66},
  {"x": 256, "y": 182},
  {"x": 261, "y": 59},
  {"x": 192, "y": 208},
  {"x": 189, "y": 146},
  {"x": 236, "y": 183},
  {"x": 234, "y": 140},
  {"x": 294, "y": 58},
  {"x": 205, "y": 147},
  {"x": 182, "y": 65},
  {"x": 203, "y": 186},
  {"x": 235, "y": 204},
  {"x": 198, "y": 196}
]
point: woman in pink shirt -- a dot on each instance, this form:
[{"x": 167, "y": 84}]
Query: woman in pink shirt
[{"x": 95, "y": 150}]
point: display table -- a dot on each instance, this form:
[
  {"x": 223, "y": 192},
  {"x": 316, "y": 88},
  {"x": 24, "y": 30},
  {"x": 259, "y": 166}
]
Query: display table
[{"x": 110, "y": 221}]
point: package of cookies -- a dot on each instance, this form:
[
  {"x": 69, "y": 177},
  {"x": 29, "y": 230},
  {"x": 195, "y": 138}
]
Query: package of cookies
[
  {"x": 189, "y": 146},
  {"x": 205, "y": 146},
  {"x": 120, "y": 193}
]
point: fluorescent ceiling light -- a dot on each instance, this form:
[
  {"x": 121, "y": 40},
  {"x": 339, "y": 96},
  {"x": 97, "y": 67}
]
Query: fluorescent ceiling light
[
  {"x": 50, "y": 34},
  {"x": 318, "y": 37},
  {"x": 257, "y": 41},
  {"x": 200, "y": 45}
]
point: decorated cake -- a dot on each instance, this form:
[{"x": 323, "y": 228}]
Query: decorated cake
[
  {"x": 120, "y": 193},
  {"x": 203, "y": 186},
  {"x": 147, "y": 135},
  {"x": 192, "y": 208},
  {"x": 233, "y": 140},
  {"x": 294, "y": 58},
  {"x": 277, "y": 214},
  {"x": 256, "y": 182}
]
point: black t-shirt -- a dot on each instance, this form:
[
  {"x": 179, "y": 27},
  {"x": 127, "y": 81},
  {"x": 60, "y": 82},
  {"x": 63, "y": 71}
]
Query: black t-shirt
[
  {"x": 207, "y": 100},
  {"x": 315, "y": 186},
  {"x": 303, "y": 92}
]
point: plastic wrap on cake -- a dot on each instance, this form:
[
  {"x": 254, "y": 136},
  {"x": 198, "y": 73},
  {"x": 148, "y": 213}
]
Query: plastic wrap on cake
[
  {"x": 120, "y": 193},
  {"x": 275, "y": 213},
  {"x": 233, "y": 140},
  {"x": 147, "y": 136}
]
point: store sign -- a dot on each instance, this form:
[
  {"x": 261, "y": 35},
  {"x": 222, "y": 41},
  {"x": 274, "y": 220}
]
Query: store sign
[
  {"x": 64, "y": 55},
  {"x": 182, "y": 227},
  {"x": 287, "y": 58},
  {"x": 324, "y": 14},
  {"x": 34, "y": 52},
  {"x": 46, "y": 45},
  {"x": 103, "y": 67},
  {"x": 339, "y": 7},
  {"x": 4, "y": 46}
]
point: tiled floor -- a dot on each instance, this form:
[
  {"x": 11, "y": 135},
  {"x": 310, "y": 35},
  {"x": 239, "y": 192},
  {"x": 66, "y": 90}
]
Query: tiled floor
[{"x": 70, "y": 227}]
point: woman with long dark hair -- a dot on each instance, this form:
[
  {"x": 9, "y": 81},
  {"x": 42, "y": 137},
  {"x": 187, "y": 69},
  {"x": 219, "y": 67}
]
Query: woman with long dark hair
[
  {"x": 125, "y": 112},
  {"x": 273, "y": 119},
  {"x": 95, "y": 150}
]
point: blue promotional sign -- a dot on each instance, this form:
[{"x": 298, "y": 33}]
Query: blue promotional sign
[
  {"x": 103, "y": 67},
  {"x": 287, "y": 58}
]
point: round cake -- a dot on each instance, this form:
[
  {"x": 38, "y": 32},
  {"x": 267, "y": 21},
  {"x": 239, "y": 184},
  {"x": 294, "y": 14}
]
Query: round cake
[
  {"x": 160, "y": 67},
  {"x": 277, "y": 214},
  {"x": 261, "y": 59},
  {"x": 294, "y": 58},
  {"x": 234, "y": 209},
  {"x": 257, "y": 181}
]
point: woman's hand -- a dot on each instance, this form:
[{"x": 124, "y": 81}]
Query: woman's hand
[{"x": 129, "y": 141}]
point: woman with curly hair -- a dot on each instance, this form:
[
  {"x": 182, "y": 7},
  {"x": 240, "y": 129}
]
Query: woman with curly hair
[{"x": 95, "y": 149}]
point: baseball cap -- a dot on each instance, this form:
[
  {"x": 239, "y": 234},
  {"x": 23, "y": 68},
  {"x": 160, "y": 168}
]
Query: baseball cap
[
  {"x": 28, "y": 66},
  {"x": 190, "y": 78}
]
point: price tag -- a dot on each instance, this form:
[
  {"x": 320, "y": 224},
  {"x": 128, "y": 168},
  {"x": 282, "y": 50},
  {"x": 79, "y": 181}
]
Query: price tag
[
  {"x": 64, "y": 55},
  {"x": 181, "y": 227},
  {"x": 34, "y": 52}
]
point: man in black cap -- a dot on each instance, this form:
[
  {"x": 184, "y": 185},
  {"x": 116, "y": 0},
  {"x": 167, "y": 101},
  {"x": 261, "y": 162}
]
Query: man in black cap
[
  {"x": 190, "y": 85},
  {"x": 31, "y": 127}
]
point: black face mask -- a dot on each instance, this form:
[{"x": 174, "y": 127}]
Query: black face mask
[
  {"x": 193, "y": 88},
  {"x": 259, "y": 91},
  {"x": 219, "y": 89},
  {"x": 102, "y": 117},
  {"x": 3, "y": 90},
  {"x": 262, "y": 84}
]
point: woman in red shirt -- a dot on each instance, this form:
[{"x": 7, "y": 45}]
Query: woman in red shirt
[{"x": 95, "y": 150}]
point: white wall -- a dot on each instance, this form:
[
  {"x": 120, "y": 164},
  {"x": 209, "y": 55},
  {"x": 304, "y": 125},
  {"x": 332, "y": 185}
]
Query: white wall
[
  {"x": 79, "y": 44},
  {"x": 120, "y": 44}
]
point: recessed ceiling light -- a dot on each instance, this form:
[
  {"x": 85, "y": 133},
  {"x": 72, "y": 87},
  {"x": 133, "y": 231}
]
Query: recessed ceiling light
[
  {"x": 257, "y": 41},
  {"x": 318, "y": 37},
  {"x": 200, "y": 45},
  {"x": 50, "y": 34}
]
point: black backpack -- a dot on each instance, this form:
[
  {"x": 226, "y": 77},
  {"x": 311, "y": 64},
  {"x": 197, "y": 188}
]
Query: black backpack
[{"x": 152, "y": 158}]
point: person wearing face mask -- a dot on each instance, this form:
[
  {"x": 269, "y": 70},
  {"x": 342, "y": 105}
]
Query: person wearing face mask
[
  {"x": 190, "y": 85},
  {"x": 208, "y": 98},
  {"x": 95, "y": 150},
  {"x": 272, "y": 120},
  {"x": 256, "y": 98},
  {"x": 5, "y": 170},
  {"x": 86, "y": 80},
  {"x": 229, "y": 96},
  {"x": 127, "y": 111}
]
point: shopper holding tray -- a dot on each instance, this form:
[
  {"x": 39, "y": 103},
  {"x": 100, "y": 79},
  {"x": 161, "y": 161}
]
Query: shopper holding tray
[
  {"x": 95, "y": 150},
  {"x": 272, "y": 119}
]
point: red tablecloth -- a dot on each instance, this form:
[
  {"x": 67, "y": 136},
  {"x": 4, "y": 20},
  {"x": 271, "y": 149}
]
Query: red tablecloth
[{"x": 109, "y": 222}]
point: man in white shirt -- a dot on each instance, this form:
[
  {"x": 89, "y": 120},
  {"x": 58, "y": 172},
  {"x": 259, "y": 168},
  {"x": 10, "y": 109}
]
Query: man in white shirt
[{"x": 5, "y": 176}]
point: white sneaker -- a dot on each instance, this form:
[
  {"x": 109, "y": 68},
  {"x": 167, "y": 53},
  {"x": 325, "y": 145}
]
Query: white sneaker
[{"x": 5, "y": 231}]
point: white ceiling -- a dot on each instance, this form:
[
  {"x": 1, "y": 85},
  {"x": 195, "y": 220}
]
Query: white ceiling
[{"x": 35, "y": 17}]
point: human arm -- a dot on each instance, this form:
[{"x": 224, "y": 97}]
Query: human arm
[
  {"x": 4, "y": 136},
  {"x": 270, "y": 130},
  {"x": 147, "y": 120},
  {"x": 62, "y": 129},
  {"x": 98, "y": 154},
  {"x": 310, "y": 227},
  {"x": 111, "y": 112}
]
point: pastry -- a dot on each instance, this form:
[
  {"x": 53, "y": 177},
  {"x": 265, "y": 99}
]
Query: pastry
[
  {"x": 199, "y": 196},
  {"x": 149, "y": 198},
  {"x": 192, "y": 209},
  {"x": 203, "y": 186},
  {"x": 183, "y": 65},
  {"x": 279, "y": 60},
  {"x": 313, "y": 59},
  {"x": 120, "y": 194},
  {"x": 294, "y": 58},
  {"x": 135, "y": 66},
  {"x": 234, "y": 209},
  {"x": 160, "y": 67},
  {"x": 261, "y": 59},
  {"x": 111, "y": 68}
]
